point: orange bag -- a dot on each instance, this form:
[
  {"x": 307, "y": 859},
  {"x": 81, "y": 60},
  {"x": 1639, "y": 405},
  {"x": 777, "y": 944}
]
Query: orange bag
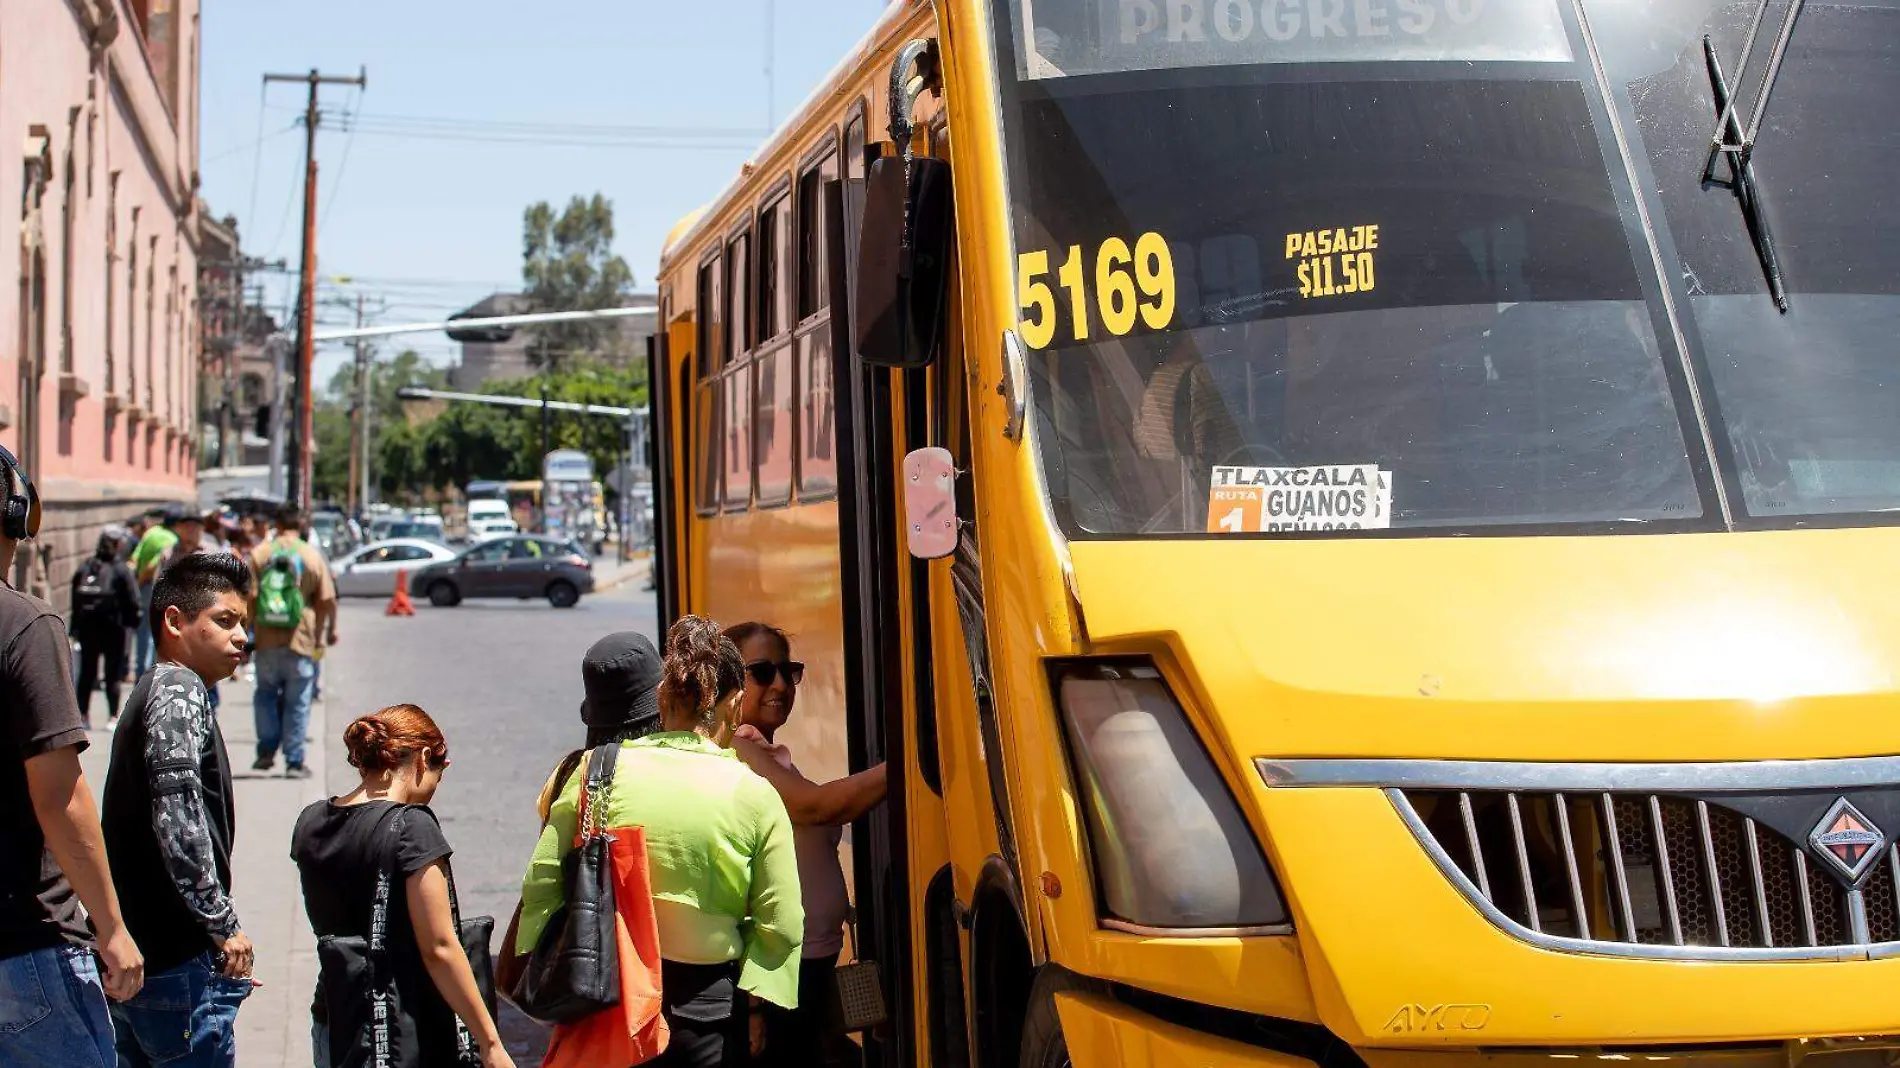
[{"x": 632, "y": 1032}]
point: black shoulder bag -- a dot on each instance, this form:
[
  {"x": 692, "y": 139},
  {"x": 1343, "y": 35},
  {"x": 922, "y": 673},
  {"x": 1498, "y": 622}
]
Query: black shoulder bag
[
  {"x": 370, "y": 1027},
  {"x": 574, "y": 969}
]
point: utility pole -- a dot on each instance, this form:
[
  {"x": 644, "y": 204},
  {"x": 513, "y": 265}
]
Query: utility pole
[{"x": 299, "y": 489}]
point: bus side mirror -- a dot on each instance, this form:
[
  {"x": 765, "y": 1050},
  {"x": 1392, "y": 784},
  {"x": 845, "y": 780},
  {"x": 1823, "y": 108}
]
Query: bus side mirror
[
  {"x": 903, "y": 260},
  {"x": 930, "y": 503}
]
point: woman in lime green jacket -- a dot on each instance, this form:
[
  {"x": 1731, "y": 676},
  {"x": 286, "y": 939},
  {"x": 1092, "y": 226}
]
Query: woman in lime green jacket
[{"x": 719, "y": 853}]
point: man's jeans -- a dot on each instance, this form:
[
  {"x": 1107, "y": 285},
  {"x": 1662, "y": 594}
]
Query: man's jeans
[
  {"x": 53, "y": 1010},
  {"x": 183, "y": 1018},
  {"x": 142, "y": 654},
  {"x": 286, "y": 684}
]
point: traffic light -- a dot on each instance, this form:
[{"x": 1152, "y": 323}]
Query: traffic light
[{"x": 492, "y": 335}]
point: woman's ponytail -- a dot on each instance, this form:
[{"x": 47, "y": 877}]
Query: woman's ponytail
[{"x": 700, "y": 667}]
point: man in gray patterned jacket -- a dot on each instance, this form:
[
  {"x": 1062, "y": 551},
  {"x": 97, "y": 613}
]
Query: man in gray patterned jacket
[{"x": 169, "y": 821}]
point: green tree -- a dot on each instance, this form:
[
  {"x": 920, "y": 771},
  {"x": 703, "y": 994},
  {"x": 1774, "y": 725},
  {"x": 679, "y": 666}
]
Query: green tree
[
  {"x": 568, "y": 264},
  {"x": 330, "y": 467}
]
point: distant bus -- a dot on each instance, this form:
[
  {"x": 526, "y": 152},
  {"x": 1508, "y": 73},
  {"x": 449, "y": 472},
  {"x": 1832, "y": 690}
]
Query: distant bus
[{"x": 486, "y": 488}]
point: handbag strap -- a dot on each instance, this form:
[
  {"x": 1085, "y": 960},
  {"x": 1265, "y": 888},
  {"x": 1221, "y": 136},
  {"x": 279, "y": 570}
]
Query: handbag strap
[
  {"x": 379, "y": 944},
  {"x": 593, "y": 801}
]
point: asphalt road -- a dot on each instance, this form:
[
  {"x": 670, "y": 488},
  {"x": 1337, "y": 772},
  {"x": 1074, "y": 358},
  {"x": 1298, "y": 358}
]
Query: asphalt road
[{"x": 502, "y": 679}]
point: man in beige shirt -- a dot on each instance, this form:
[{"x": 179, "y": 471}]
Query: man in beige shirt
[{"x": 286, "y": 655}]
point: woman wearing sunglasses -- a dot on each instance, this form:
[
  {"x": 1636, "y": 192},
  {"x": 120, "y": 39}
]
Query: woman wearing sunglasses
[
  {"x": 343, "y": 843},
  {"x": 819, "y": 813}
]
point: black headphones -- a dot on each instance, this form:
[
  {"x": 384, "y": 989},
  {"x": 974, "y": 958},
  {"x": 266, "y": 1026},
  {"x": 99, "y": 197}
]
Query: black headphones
[{"x": 20, "y": 508}]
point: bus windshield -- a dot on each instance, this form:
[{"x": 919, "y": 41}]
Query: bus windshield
[{"x": 1310, "y": 266}]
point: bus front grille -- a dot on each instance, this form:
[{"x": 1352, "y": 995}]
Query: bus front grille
[{"x": 1633, "y": 870}]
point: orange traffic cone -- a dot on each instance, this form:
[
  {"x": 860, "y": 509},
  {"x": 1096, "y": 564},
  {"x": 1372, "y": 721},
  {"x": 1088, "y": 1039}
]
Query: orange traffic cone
[{"x": 399, "y": 603}]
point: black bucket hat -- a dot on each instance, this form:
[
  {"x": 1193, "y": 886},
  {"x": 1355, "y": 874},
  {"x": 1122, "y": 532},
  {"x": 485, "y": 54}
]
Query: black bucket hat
[{"x": 621, "y": 674}]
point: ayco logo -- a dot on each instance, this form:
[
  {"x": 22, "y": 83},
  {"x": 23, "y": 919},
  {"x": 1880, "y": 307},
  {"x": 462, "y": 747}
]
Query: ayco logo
[{"x": 1411, "y": 1019}]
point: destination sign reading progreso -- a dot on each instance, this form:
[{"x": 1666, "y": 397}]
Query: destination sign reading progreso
[{"x": 1064, "y": 38}]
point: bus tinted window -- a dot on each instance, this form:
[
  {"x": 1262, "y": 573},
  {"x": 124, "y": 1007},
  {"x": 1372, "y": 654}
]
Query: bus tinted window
[
  {"x": 1439, "y": 304},
  {"x": 737, "y": 326},
  {"x": 737, "y": 494},
  {"x": 711, "y": 343},
  {"x": 817, "y": 452},
  {"x": 707, "y": 437},
  {"x": 813, "y": 285},
  {"x": 1807, "y": 398},
  {"x": 772, "y": 429},
  {"x": 1065, "y": 38},
  {"x": 775, "y": 291}
]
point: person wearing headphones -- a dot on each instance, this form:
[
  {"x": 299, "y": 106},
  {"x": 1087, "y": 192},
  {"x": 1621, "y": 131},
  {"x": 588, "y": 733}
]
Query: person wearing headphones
[{"x": 52, "y": 851}]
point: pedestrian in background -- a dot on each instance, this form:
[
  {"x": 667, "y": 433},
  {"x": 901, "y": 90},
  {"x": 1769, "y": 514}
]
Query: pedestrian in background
[
  {"x": 796, "y": 1037},
  {"x": 719, "y": 853},
  {"x": 153, "y": 543},
  {"x": 52, "y": 850},
  {"x": 342, "y": 844},
  {"x": 105, "y": 600},
  {"x": 170, "y": 816},
  {"x": 293, "y": 610}
]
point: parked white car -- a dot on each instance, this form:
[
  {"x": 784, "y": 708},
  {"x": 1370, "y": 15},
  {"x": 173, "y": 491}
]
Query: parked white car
[{"x": 371, "y": 570}]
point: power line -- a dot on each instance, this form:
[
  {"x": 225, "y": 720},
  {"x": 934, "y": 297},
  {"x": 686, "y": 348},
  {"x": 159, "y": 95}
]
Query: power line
[
  {"x": 290, "y": 203},
  {"x": 257, "y": 158},
  {"x": 336, "y": 182}
]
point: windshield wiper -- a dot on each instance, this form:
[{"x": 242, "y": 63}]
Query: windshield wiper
[{"x": 1737, "y": 142}]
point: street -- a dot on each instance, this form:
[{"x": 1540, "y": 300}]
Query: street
[{"x": 502, "y": 680}]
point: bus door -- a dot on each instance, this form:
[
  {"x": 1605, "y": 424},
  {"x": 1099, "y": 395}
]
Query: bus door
[{"x": 937, "y": 862}]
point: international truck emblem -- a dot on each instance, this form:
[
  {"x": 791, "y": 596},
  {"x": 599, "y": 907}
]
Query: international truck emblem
[{"x": 1848, "y": 838}]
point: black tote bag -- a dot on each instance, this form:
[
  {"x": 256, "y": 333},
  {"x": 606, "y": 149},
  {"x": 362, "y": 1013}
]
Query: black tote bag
[
  {"x": 574, "y": 969},
  {"x": 370, "y": 1026}
]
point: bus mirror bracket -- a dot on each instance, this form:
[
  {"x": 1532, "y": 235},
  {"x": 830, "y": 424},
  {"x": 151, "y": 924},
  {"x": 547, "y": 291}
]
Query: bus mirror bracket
[
  {"x": 931, "y": 523},
  {"x": 904, "y": 243}
]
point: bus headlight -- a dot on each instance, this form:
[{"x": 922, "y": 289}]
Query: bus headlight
[{"x": 1171, "y": 847}]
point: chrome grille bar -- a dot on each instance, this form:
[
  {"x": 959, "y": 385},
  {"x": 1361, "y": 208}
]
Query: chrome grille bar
[
  {"x": 1893, "y": 861},
  {"x": 1715, "y": 877},
  {"x": 1471, "y": 839},
  {"x": 1570, "y": 866},
  {"x": 1806, "y": 899},
  {"x": 1523, "y": 862},
  {"x": 1670, "y": 910},
  {"x": 1761, "y": 886},
  {"x": 1614, "y": 841}
]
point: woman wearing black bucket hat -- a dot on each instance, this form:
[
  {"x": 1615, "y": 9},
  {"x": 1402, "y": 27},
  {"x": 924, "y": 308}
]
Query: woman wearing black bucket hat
[{"x": 621, "y": 676}]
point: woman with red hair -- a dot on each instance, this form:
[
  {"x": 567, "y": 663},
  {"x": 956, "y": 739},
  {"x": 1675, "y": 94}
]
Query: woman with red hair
[{"x": 341, "y": 846}]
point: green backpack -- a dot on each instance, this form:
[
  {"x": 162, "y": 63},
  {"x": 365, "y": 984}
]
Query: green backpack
[{"x": 280, "y": 589}]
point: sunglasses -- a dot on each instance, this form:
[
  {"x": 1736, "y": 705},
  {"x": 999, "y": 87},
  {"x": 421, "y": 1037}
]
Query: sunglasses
[
  {"x": 764, "y": 671},
  {"x": 438, "y": 761}
]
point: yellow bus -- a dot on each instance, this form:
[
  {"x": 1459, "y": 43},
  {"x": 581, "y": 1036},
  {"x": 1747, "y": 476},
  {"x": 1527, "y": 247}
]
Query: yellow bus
[{"x": 1366, "y": 525}]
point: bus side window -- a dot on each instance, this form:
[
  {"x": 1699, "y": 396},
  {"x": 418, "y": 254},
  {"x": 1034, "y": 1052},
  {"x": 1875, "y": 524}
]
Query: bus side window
[
  {"x": 772, "y": 418},
  {"x": 708, "y": 412},
  {"x": 817, "y": 452},
  {"x": 707, "y": 417},
  {"x": 737, "y": 492}
]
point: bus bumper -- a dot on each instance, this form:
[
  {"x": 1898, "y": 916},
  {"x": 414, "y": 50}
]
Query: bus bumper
[{"x": 1102, "y": 1032}]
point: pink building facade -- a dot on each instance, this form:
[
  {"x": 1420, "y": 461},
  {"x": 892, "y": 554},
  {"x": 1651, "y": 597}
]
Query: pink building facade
[{"x": 99, "y": 343}]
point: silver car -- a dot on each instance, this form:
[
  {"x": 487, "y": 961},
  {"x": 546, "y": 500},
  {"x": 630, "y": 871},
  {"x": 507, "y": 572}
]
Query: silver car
[{"x": 371, "y": 571}]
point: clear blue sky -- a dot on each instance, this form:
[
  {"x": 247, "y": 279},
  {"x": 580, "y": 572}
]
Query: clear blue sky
[{"x": 430, "y": 226}]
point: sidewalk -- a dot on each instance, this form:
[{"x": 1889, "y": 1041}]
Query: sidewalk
[{"x": 274, "y": 1026}]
